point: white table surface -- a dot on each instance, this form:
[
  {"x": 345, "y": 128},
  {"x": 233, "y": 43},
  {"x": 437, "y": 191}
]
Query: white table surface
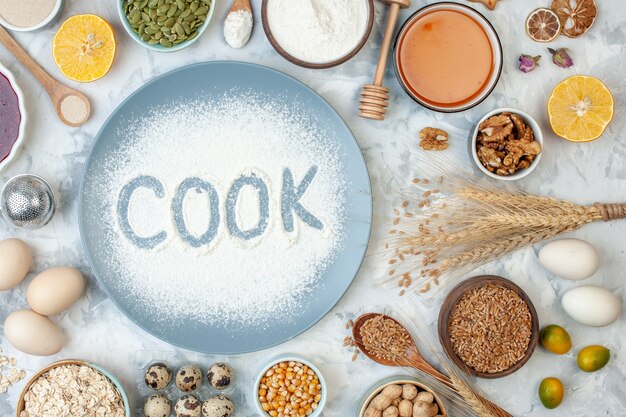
[{"x": 583, "y": 173}]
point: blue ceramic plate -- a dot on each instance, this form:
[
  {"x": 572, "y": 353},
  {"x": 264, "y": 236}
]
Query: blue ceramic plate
[{"x": 215, "y": 79}]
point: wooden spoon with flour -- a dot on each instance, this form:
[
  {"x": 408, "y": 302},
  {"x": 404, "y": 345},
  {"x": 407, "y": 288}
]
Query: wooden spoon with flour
[
  {"x": 72, "y": 107},
  {"x": 238, "y": 24}
]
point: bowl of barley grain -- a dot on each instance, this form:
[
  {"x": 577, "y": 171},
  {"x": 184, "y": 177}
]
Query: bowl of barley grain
[{"x": 488, "y": 326}]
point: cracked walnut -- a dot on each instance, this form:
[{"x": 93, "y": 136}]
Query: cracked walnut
[
  {"x": 506, "y": 144},
  {"x": 432, "y": 139}
]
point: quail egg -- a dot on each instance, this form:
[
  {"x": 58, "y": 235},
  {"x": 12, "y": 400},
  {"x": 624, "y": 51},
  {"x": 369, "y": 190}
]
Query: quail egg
[
  {"x": 218, "y": 406},
  {"x": 189, "y": 378},
  {"x": 158, "y": 376},
  {"x": 188, "y": 406},
  {"x": 220, "y": 376},
  {"x": 157, "y": 405}
]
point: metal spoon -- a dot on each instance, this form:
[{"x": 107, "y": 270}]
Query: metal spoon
[{"x": 413, "y": 358}]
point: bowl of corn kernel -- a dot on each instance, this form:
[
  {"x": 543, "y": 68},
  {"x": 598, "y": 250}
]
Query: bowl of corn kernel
[{"x": 290, "y": 386}]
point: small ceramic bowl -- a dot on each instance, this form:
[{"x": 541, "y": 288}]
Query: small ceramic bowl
[
  {"x": 323, "y": 65},
  {"x": 158, "y": 47},
  {"x": 496, "y": 49},
  {"x": 290, "y": 358},
  {"x": 538, "y": 137},
  {"x": 396, "y": 380},
  {"x": 455, "y": 295},
  {"x": 52, "y": 18},
  {"x": 103, "y": 371},
  {"x": 22, "y": 109}
]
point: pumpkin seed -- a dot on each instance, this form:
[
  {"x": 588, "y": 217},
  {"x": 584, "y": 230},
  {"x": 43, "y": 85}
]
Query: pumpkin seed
[{"x": 166, "y": 22}]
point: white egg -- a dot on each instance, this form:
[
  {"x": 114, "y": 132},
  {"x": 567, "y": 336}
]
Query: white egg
[
  {"x": 55, "y": 290},
  {"x": 573, "y": 259},
  {"x": 592, "y": 306},
  {"x": 15, "y": 260},
  {"x": 33, "y": 333}
]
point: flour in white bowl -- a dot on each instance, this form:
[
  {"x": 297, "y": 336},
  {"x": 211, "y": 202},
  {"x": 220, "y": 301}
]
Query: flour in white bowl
[
  {"x": 317, "y": 31},
  {"x": 225, "y": 278}
]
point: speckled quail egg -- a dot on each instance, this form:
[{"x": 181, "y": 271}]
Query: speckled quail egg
[
  {"x": 189, "y": 378},
  {"x": 158, "y": 376},
  {"x": 218, "y": 406},
  {"x": 220, "y": 376},
  {"x": 188, "y": 406},
  {"x": 157, "y": 405}
]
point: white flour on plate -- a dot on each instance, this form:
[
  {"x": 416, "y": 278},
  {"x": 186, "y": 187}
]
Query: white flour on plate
[{"x": 228, "y": 281}]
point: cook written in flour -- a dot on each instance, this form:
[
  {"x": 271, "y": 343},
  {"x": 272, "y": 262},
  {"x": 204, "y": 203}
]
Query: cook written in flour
[{"x": 289, "y": 205}]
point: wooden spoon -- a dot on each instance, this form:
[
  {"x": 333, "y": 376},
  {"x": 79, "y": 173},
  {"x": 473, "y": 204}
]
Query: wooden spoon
[
  {"x": 413, "y": 358},
  {"x": 58, "y": 92},
  {"x": 241, "y": 5},
  {"x": 375, "y": 97},
  {"x": 238, "y": 6}
]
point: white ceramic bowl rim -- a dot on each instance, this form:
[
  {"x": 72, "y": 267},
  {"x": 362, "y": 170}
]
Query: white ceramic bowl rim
[
  {"x": 496, "y": 47},
  {"x": 22, "y": 109},
  {"x": 538, "y": 137},
  {"x": 40, "y": 25},
  {"x": 290, "y": 358},
  {"x": 157, "y": 47}
]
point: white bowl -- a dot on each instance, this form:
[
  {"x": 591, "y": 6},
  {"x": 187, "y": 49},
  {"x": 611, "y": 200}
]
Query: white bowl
[
  {"x": 20, "y": 103},
  {"x": 538, "y": 137},
  {"x": 48, "y": 21},
  {"x": 290, "y": 358}
]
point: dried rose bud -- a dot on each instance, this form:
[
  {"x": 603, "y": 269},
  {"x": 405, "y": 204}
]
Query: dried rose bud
[
  {"x": 561, "y": 58},
  {"x": 528, "y": 63}
]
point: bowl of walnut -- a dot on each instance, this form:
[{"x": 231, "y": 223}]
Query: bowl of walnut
[{"x": 507, "y": 144}]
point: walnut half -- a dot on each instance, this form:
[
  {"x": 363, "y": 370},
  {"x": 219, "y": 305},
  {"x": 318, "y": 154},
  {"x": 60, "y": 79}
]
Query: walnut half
[{"x": 432, "y": 139}]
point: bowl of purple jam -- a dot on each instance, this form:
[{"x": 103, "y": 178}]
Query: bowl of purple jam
[{"x": 12, "y": 117}]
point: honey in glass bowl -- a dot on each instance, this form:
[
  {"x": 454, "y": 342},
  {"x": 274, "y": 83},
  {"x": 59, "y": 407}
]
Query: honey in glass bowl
[{"x": 448, "y": 57}]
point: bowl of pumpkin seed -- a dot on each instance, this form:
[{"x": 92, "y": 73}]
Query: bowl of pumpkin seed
[{"x": 165, "y": 25}]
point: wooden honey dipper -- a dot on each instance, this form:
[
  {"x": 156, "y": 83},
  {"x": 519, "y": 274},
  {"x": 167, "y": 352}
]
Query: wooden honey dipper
[{"x": 374, "y": 97}]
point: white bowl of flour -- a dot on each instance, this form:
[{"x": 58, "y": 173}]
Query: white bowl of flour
[{"x": 318, "y": 33}]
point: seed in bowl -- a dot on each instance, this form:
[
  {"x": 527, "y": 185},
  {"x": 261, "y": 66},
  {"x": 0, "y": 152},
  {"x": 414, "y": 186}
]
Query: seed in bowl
[
  {"x": 506, "y": 144},
  {"x": 188, "y": 378},
  {"x": 166, "y": 22},
  {"x": 218, "y": 406},
  {"x": 490, "y": 328},
  {"x": 290, "y": 389},
  {"x": 188, "y": 406},
  {"x": 158, "y": 376}
]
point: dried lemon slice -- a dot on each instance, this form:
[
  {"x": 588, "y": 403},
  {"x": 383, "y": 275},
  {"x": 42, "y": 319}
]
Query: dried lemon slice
[
  {"x": 543, "y": 25},
  {"x": 580, "y": 108},
  {"x": 84, "y": 47},
  {"x": 576, "y": 16}
]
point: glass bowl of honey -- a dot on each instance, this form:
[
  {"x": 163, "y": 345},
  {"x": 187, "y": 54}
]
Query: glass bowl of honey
[{"x": 448, "y": 57}]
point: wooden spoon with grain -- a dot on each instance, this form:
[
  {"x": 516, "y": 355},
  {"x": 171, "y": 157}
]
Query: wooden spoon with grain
[
  {"x": 58, "y": 92},
  {"x": 413, "y": 358}
]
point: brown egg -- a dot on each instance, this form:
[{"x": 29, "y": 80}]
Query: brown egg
[
  {"x": 55, "y": 290},
  {"x": 33, "y": 333},
  {"x": 15, "y": 259}
]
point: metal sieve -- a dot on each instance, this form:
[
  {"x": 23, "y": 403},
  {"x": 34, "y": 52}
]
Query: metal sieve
[{"x": 27, "y": 201}]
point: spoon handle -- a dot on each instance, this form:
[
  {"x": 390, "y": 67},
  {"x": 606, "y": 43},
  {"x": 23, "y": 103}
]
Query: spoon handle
[{"x": 44, "y": 78}]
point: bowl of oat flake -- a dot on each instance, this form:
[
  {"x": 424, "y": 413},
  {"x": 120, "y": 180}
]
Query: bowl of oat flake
[{"x": 80, "y": 386}]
